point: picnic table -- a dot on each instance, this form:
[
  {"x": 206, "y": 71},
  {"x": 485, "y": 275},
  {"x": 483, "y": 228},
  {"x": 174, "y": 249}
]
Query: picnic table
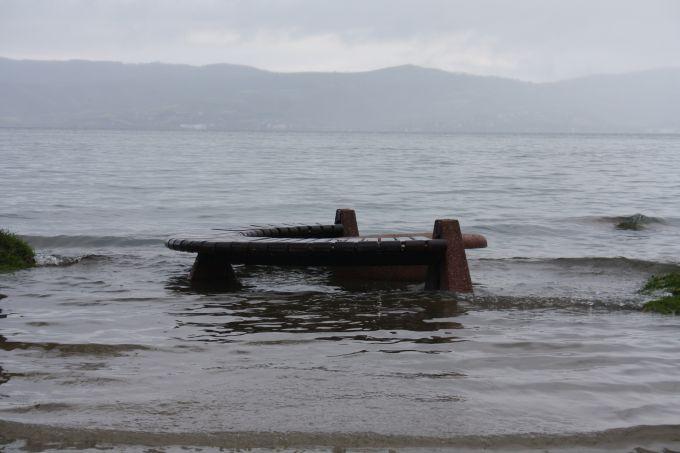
[{"x": 336, "y": 244}]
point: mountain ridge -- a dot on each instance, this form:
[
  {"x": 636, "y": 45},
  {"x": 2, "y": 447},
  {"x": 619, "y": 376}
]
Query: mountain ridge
[{"x": 92, "y": 94}]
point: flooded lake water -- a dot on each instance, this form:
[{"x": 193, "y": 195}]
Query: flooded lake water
[{"x": 105, "y": 343}]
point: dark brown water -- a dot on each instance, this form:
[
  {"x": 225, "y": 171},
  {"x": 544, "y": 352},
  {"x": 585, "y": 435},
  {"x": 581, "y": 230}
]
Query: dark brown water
[{"x": 106, "y": 340}]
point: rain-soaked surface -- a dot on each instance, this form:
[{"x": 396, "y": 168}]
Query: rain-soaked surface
[{"x": 107, "y": 339}]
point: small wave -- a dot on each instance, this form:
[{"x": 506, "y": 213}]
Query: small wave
[
  {"x": 618, "y": 262},
  {"x": 633, "y": 222},
  {"x": 44, "y": 407},
  {"x": 615, "y": 262},
  {"x": 585, "y": 282},
  {"x": 73, "y": 349},
  {"x": 496, "y": 302},
  {"x": 48, "y": 260},
  {"x": 521, "y": 229},
  {"x": 63, "y": 241},
  {"x": 636, "y": 222},
  {"x": 13, "y": 216}
]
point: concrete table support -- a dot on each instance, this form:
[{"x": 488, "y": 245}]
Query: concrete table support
[
  {"x": 211, "y": 269},
  {"x": 452, "y": 272},
  {"x": 348, "y": 219}
]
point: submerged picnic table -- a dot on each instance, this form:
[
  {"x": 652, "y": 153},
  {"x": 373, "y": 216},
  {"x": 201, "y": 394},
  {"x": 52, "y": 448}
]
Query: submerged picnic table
[{"x": 337, "y": 244}]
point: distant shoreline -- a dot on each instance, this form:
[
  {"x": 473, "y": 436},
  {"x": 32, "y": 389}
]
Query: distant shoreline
[{"x": 386, "y": 132}]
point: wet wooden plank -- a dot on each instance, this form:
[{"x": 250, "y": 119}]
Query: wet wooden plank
[
  {"x": 286, "y": 239},
  {"x": 278, "y": 248},
  {"x": 267, "y": 239},
  {"x": 344, "y": 246},
  {"x": 390, "y": 245},
  {"x": 368, "y": 246},
  {"x": 257, "y": 247},
  {"x": 299, "y": 247},
  {"x": 223, "y": 248},
  {"x": 414, "y": 245},
  {"x": 315, "y": 229}
]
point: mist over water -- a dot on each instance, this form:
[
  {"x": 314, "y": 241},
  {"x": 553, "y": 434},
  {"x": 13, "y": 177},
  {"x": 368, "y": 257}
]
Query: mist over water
[{"x": 107, "y": 333}]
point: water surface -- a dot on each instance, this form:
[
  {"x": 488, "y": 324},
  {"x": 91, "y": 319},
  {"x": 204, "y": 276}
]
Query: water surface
[{"x": 107, "y": 333}]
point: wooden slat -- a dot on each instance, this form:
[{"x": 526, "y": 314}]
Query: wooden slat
[
  {"x": 284, "y": 239},
  {"x": 315, "y": 229},
  {"x": 418, "y": 246},
  {"x": 345, "y": 246},
  {"x": 390, "y": 245},
  {"x": 299, "y": 247},
  {"x": 223, "y": 248},
  {"x": 368, "y": 246},
  {"x": 278, "y": 247},
  {"x": 267, "y": 239}
]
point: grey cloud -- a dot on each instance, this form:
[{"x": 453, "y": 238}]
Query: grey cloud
[{"x": 529, "y": 39}]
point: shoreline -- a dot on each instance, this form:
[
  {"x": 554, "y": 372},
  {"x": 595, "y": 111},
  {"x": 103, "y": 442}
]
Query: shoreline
[{"x": 42, "y": 437}]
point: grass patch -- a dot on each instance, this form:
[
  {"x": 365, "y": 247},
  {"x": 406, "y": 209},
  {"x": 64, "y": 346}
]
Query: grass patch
[
  {"x": 666, "y": 305},
  {"x": 669, "y": 283},
  {"x": 15, "y": 253},
  {"x": 636, "y": 222}
]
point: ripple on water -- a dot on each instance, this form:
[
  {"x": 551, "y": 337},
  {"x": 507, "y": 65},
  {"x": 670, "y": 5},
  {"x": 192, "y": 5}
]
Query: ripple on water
[{"x": 71, "y": 349}]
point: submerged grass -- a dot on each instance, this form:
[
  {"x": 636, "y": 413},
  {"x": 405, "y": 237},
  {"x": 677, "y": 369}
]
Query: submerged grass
[
  {"x": 669, "y": 283},
  {"x": 635, "y": 222},
  {"x": 666, "y": 305},
  {"x": 15, "y": 253}
]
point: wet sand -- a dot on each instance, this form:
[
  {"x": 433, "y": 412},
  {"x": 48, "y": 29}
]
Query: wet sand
[{"x": 41, "y": 437}]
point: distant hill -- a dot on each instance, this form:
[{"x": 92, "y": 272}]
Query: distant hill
[{"x": 84, "y": 94}]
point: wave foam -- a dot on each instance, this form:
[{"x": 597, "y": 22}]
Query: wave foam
[{"x": 64, "y": 241}]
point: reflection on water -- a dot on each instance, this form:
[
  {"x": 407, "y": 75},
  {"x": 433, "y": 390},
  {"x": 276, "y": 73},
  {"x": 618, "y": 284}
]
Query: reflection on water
[
  {"x": 337, "y": 316},
  {"x": 4, "y": 376}
]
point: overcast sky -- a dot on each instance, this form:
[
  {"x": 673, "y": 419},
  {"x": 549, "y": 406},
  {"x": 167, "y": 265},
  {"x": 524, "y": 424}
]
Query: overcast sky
[{"x": 527, "y": 39}]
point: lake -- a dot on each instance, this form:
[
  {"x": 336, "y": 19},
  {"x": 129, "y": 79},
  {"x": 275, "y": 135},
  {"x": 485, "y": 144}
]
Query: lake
[{"x": 107, "y": 334}]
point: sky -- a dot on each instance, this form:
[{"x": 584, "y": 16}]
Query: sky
[{"x": 535, "y": 40}]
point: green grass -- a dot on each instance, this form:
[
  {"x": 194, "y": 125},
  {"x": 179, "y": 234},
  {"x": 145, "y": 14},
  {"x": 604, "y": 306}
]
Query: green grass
[
  {"x": 666, "y": 305},
  {"x": 15, "y": 253},
  {"x": 635, "y": 222},
  {"x": 669, "y": 283}
]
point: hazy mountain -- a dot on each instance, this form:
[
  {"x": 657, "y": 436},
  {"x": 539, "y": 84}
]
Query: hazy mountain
[{"x": 82, "y": 94}]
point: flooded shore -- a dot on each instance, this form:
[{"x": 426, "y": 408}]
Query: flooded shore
[{"x": 106, "y": 344}]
